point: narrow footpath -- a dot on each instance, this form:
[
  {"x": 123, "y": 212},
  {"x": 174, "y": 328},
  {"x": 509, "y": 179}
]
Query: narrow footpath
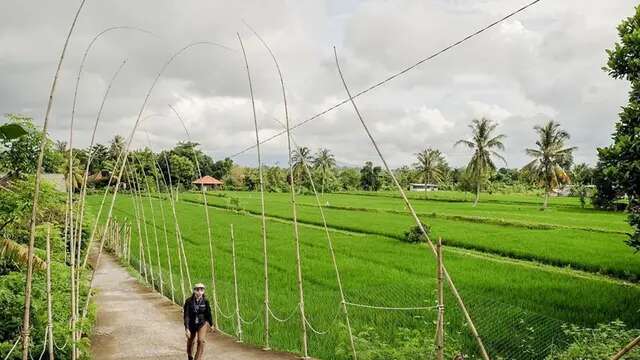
[{"x": 133, "y": 322}]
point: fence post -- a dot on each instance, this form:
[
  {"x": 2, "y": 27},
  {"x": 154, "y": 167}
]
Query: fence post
[
  {"x": 626, "y": 349},
  {"x": 440, "y": 323},
  {"x": 235, "y": 285}
]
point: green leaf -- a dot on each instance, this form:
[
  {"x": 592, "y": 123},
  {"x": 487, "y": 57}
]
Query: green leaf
[{"x": 12, "y": 131}]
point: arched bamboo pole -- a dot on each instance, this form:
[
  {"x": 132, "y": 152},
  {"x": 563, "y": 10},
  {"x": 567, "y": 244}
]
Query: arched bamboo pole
[
  {"x": 208, "y": 223},
  {"x": 34, "y": 210}
]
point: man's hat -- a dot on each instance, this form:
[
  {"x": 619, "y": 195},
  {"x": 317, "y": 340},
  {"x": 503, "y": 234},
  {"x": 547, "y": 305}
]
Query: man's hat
[{"x": 198, "y": 285}]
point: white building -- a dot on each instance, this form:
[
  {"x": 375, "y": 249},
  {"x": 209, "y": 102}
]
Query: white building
[{"x": 423, "y": 187}]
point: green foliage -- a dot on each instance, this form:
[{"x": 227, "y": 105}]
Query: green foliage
[
  {"x": 485, "y": 145},
  {"x": 431, "y": 166},
  {"x": 16, "y": 203},
  {"x": 598, "y": 343},
  {"x": 406, "y": 344},
  {"x": 549, "y": 165},
  {"x": 370, "y": 177},
  {"x": 11, "y": 131},
  {"x": 415, "y": 235},
  {"x": 619, "y": 163},
  {"x": 19, "y": 156}
]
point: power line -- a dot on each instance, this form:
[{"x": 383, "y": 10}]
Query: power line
[{"x": 402, "y": 72}]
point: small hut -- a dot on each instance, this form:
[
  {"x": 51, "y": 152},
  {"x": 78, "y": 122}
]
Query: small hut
[{"x": 208, "y": 182}]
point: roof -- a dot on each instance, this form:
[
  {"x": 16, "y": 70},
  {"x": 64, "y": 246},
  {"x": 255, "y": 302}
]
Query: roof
[{"x": 207, "y": 180}]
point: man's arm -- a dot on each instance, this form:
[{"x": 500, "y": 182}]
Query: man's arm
[
  {"x": 208, "y": 314},
  {"x": 185, "y": 314}
]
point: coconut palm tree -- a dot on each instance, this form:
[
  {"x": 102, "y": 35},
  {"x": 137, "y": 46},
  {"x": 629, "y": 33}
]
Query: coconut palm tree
[
  {"x": 551, "y": 153},
  {"x": 324, "y": 162},
  {"x": 301, "y": 155},
  {"x": 430, "y": 166},
  {"x": 484, "y": 145},
  {"x": 76, "y": 173}
]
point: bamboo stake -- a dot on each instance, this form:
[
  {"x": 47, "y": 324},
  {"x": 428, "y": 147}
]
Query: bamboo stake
[
  {"x": 235, "y": 285},
  {"x": 49, "y": 307},
  {"x": 138, "y": 226},
  {"x": 36, "y": 193},
  {"x": 100, "y": 208},
  {"x": 463, "y": 307},
  {"x": 177, "y": 228},
  {"x": 626, "y": 349},
  {"x": 153, "y": 223},
  {"x": 206, "y": 216},
  {"x": 440, "y": 323},
  {"x": 144, "y": 227},
  {"x": 343, "y": 300},
  {"x": 293, "y": 204},
  {"x": 164, "y": 225}
]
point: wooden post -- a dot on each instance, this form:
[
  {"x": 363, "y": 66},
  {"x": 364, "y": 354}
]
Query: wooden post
[
  {"x": 440, "y": 323},
  {"x": 49, "y": 312},
  {"x": 626, "y": 349},
  {"x": 235, "y": 285}
]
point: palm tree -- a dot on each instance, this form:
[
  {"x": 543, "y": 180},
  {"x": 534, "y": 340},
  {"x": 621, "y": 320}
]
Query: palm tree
[
  {"x": 551, "y": 152},
  {"x": 430, "y": 166},
  {"x": 76, "y": 173},
  {"x": 301, "y": 155},
  {"x": 116, "y": 147},
  {"x": 324, "y": 163},
  {"x": 484, "y": 145}
]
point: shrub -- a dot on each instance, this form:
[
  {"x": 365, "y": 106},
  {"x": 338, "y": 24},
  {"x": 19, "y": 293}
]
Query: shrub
[
  {"x": 599, "y": 343},
  {"x": 406, "y": 344},
  {"x": 415, "y": 235}
]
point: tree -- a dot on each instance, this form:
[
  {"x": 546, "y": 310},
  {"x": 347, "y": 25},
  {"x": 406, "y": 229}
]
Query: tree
[
  {"x": 115, "y": 147},
  {"x": 430, "y": 167},
  {"x": 582, "y": 174},
  {"x": 324, "y": 162},
  {"x": 182, "y": 170},
  {"x": 546, "y": 166},
  {"x": 99, "y": 157},
  {"x": 76, "y": 172},
  {"x": 484, "y": 145},
  {"x": 369, "y": 177},
  {"x": 19, "y": 154},
  {"x": 349, "y": 179},
  {"x": 301, "y": 155},
  {"x": 619, "y": 163}
]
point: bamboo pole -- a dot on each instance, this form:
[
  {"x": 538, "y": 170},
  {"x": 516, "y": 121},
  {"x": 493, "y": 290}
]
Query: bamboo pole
[
  {"x": 26, "y": 325},
  {"x": 144, "y": 227},
  {"x": 153, "y": 223},
  {"x": 177, "y": 227},
  {"x": 343, "y": 300},
  {"x": 293, "y": 204},
  {"x": 208, "y": 222},
  {"x": 472, "y": 328},
  {"x": 164, "y": 225},
  {"x": 626, "y": 349},
  {"x": 440, "y": 323},
  {"x": 134, "y": 197},
  {"x": 49, "y": 304},
  {"x": 235, "y": 285}
]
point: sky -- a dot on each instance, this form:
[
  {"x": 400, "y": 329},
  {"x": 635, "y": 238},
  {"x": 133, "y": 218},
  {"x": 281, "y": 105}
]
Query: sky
[{"x": 543, "y": 64}]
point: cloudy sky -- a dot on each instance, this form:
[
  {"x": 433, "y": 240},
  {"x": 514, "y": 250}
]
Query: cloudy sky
[{"x": 542, "y": 64}]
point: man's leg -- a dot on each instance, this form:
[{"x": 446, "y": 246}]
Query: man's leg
[
  {"x": 190, "y": 341},
  {"x": 202, "y": 336}
]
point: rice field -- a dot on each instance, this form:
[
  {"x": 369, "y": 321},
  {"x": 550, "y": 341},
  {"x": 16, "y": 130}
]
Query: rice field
[{"x": 518, "y": 306}]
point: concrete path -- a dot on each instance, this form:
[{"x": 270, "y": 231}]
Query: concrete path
[{"x": 134, "y": 322}]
